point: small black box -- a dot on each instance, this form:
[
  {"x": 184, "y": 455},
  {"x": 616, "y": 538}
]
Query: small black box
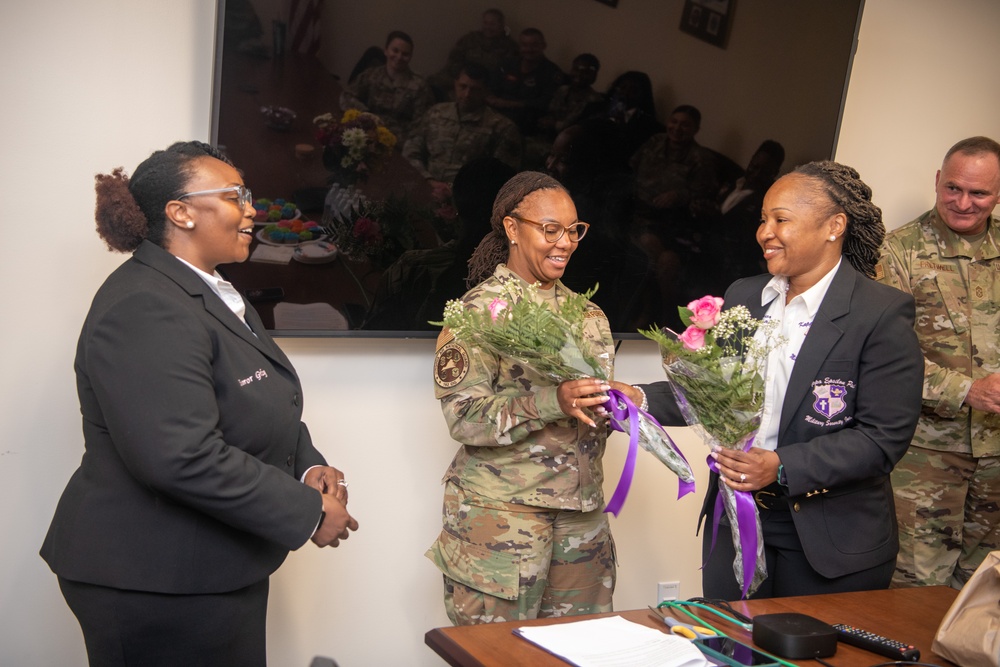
[{"x": 794, "y": 636}]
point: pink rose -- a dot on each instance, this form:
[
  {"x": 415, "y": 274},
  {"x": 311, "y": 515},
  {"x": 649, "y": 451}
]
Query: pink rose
[
  {"x": 705, "y": 312},
  {"x": 693, "y": 338},
  {"x": 496, "y": 307}
]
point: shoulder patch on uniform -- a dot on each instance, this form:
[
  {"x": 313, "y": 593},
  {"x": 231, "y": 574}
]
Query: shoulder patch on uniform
[
  {"x": 879, "y": 271},
  {"x": 445, "y": 337},
  {"x": 451, "y": 364}
]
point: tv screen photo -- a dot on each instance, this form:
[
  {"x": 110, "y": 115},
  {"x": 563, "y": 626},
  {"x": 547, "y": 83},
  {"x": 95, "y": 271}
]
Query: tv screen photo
[{"x": 375, "y": 135}]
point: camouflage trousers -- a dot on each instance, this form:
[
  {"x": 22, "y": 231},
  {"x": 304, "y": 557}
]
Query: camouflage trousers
[
  {"x": 505, "y": 562},
  {"x": 948, "y": 508}
]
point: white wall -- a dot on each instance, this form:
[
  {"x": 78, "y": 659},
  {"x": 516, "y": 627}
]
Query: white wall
[{"x": 92, "y": 85}]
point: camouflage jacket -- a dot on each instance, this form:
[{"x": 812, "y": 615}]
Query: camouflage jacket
[
  {"x": 398, "y": 102},
  {"x": 957, "y": 293},
  {"x": 689, "y": 172},
  {"x": 445, "y": 139},
  {"x": 517, "y": 444}
]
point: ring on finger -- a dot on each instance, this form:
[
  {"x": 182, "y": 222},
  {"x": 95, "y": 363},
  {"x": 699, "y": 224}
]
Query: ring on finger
[
  {"x": 743, "y": 477},
  {"x": 342, "y": 482},
  {"x": 573, "y": 403}
]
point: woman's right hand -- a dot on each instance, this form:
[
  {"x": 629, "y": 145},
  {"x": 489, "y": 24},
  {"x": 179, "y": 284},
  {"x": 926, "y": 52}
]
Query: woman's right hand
[
  {"x": 337, "y": 524},
  {"x": 576, "y": 395}
]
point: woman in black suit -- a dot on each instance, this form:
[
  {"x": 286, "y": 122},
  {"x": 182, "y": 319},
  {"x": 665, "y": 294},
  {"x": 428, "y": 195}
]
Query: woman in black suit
[
  {"x": 198, "y": 475},
  {"x": 842, "y": 396}
]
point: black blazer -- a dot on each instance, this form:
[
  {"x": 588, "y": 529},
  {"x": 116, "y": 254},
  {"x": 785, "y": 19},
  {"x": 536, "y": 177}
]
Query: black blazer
[
  {"x": 193, "y": 441},
  {"x": 837, "y": 466}
]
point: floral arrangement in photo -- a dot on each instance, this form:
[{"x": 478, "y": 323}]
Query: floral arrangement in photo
[
  {"x": 715, "y": 368},
  {"x": 355, "y": 145},
  {"x": 517, "y": 324},
  {"x": 379, "y": 231}
]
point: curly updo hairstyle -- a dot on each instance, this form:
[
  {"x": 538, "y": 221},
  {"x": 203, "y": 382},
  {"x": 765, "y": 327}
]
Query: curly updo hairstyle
[
  {"x": 130, "y": 210},
  {"x": 850, "y": 195},
  {"x": 495, "y": 246}
]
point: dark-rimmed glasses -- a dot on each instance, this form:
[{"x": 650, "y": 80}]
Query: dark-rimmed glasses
[
  {"x": 243, "y": 193},
  {"x": 553, "y": 231}
]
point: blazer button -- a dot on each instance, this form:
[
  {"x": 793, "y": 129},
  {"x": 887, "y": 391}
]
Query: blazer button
[
  {"x": 796, "y": 507},
  {"x": 291, "y": 460},
  {"x": 295, "y": 398}
]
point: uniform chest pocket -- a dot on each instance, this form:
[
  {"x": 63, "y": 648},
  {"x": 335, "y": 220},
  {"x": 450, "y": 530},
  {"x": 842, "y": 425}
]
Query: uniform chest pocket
[{"x": 941, "y": 306}]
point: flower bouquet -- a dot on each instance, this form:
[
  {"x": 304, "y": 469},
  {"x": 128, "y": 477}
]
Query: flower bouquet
[
  {"x": 716, "y": 370},
  {"x": 379, "y": 231},
  {"x": 519, "y": 325},
  {"x": 354, "y": 146}
]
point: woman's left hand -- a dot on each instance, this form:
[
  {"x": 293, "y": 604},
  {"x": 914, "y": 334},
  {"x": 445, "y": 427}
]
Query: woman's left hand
[
  {"x": 576, "y": 396},
  {"x": 747, "y": 471},
  {"x": 327, "y": 479}
]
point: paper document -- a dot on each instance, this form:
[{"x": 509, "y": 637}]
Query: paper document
[
  {"x": 271, "y": 254},
  {"x": 613, "y": 642}
]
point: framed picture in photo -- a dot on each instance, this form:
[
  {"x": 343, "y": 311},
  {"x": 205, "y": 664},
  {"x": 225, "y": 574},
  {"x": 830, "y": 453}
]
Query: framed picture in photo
[{"x": 707, "y": 20}]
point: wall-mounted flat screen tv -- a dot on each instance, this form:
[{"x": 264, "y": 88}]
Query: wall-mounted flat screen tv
[{"x": 666, "y": 120}]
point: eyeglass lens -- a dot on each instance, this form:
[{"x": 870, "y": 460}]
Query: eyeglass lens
[
  {"x": 553, "y": 231},
  {"x": 246, "y": 197}
]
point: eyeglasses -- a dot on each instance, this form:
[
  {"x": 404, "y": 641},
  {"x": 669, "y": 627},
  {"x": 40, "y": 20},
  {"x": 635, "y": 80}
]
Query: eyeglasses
[
  {"x": 245, "y": 197},
  {"x": 553, "y": 231}
]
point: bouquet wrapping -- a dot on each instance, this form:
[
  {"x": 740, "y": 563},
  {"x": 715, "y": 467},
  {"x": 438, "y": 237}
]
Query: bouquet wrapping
[
  {"x": 715, "y": 369},
  {"x": 518, "y": 325}
]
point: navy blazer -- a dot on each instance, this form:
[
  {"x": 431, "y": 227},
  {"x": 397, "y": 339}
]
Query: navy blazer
[
  {"x": 851, "y": 407},
  {"x": 193, "y": 438}
]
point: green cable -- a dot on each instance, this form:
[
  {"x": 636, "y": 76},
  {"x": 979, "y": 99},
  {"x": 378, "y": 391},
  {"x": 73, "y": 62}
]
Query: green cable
[{"x": 680, "y": 606}]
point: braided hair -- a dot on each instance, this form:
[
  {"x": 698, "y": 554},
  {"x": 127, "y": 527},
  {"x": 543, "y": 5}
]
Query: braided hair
[
  {"x": 849, "y": 194},
  {"x": 130, "y": 210},
  {"x": 495, "y": 246}
]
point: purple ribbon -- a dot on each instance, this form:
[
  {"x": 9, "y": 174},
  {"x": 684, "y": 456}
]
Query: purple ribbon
[
  {"x": 618, "y": 416},
  {"x": 746, "y": 520}
]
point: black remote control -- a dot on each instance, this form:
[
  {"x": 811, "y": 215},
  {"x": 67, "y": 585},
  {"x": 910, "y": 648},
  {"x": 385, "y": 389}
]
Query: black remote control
[{"x": 870, "y": 641}]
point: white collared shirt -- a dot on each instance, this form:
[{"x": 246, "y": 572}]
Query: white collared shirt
[
  {"x": 224, "y": 290},
  {"x": 795, "y": 318}
]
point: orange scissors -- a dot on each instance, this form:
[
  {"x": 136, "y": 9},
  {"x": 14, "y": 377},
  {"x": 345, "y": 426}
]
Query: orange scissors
[{"x": 685, "y": 630}]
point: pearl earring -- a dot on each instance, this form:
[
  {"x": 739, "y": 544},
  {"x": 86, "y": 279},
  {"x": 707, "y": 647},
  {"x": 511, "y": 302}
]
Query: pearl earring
[
  {"x": 513, "y": 242},
  {"x": 190, "y": 224},
  {"x": 833, "y": 237}
]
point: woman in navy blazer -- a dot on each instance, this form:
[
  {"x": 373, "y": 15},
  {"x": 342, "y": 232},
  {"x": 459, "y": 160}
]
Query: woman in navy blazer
[
  {"x": 198, "y": 475},
  {"x": 843, "y": 395}
]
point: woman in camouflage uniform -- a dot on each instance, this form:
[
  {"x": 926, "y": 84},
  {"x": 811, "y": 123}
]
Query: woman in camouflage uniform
[{"x": 524, "y": 533}]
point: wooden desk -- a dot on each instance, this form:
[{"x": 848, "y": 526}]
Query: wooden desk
[{"x": 906, "y": 614}]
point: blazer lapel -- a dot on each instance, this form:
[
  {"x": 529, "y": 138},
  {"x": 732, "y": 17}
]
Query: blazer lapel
[
  {"x": 823, "y": 335},
  {"x": 156, "y": 257}
]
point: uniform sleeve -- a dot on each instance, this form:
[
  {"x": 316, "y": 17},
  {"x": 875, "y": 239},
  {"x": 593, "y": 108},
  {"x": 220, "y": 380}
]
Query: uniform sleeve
[
  {"x": 944, "y": 389},
  {"x": 415, "y": 147},
  {"x": 352, "y": 96},
  {"x": 477, "y": 411}
]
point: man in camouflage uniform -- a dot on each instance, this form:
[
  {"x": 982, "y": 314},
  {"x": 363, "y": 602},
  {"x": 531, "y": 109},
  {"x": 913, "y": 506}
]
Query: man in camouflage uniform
[
  {"x": 487, "y": 47},
  {"x": 453, "y": 133},
  {"x": 524, "y": 535},
  {"x": 947, "y": 486}
]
